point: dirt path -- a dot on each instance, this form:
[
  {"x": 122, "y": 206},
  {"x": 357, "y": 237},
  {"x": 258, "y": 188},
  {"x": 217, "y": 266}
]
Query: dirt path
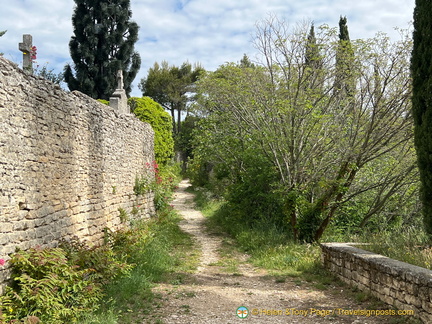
[{"x": 213, "y": 296}]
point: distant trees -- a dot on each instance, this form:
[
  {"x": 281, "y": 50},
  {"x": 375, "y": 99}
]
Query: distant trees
[
  {"x": 171, "y": 86},
  {"x": 421, "y": 65},
  {"x": 49, "y": 74},
  {"x": 313, "y": 150},
  {"x": 103, "y": 43}
]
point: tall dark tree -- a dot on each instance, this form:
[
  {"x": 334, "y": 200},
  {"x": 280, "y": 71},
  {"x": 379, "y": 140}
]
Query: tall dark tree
[
  {"x": 312, "y": 50},
  {"x": 421, "y": 69},
  {"x": 169, "y": 86},
  {"x": 313, "y": 62},
  {"x": 103, "y": 43},
  {"x": 344, "y": 82}
]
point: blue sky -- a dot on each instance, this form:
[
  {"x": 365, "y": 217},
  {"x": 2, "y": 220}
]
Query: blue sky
[{"x": 210, "y": 32}]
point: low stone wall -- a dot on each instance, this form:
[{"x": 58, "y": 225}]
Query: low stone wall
[
  {"x": 68, "y": 165},
  {"x": 399, "y": 284}
]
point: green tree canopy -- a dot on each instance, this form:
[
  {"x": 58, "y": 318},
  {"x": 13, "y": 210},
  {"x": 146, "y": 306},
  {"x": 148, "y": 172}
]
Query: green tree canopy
[
  {"x": 170, "y": 85},
  {"x": 103, "y": 43},
  {"x": 319, "y": 154},
  {"x": 246, "y": 62}
]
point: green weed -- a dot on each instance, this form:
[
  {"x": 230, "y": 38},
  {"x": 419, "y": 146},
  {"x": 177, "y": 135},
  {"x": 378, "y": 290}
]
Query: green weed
[{"x": 123, "y": 215}]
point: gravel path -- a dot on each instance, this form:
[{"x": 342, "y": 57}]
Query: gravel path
[{"x": 213, "y": 296}]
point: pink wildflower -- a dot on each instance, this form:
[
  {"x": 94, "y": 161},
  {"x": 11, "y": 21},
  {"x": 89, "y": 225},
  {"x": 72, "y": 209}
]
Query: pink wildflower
[{"x": 2, "y": 262}]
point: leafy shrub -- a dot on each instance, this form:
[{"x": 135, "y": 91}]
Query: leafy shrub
[
  {"x": 104, "y": 264},
  {"x": 165, "y": 179},
  {"x": 254, "y": 195},
  {"x": 123, "y": 215},
  {"x": 151, "y": 112},
  {"x": 105, "y": 102},
  {"x": 46, "y": 286}
]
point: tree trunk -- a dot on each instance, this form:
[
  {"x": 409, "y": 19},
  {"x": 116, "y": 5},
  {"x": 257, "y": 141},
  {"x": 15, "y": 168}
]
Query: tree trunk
[
  {"x": 294, "y": 224},
  {"x": 335, "y": 206},
  {"x": 178, "y": 120},
  {"x": 172, "y": 110}
]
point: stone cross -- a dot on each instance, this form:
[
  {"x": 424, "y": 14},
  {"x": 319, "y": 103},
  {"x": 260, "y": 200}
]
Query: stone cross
[
  {"x": 119, "y": 79},
  {"x": 118, "y": 99},
  {"x": 26, "y": 47}
]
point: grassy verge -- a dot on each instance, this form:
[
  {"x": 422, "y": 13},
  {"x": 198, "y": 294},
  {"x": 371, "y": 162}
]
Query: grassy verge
[
  {"x": 410, "y": 245},
  {"x": 166, "y": 257}
]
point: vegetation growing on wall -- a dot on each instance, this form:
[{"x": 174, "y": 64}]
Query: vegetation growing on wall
[
  {"x": 149, "y": 111},
  {"x": 1, "y": 34}
]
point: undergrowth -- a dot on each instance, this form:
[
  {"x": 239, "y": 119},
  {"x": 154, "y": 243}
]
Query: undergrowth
[
  {"x": 158, "y": 249},
  {"x": 270, "y": 248},
  {"x": 110, "y": 283}
]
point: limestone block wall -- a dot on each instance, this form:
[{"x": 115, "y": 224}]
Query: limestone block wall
[
  {"x": 67, "y": 164},
  {"x": 399, "y": 284}
]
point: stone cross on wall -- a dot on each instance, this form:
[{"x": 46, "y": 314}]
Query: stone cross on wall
[
  {"x": 26, "y": 47},
  {"x": 118, "y": 99},
  {"x": 119, "y": 79}
]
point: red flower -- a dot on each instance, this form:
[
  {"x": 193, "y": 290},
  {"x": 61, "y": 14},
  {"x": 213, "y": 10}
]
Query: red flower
[{"x": 33, "y": 53}]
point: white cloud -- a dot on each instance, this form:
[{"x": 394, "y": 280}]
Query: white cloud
[{"x": 206, "y": 31}]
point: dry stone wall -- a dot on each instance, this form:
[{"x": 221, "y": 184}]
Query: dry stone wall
[
  {"x": 399, "y": 284},
  {"x": 67, "y": 164}
]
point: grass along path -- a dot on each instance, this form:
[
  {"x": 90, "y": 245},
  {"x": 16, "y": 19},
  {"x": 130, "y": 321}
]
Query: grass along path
[{"x": 225, "y": 280}]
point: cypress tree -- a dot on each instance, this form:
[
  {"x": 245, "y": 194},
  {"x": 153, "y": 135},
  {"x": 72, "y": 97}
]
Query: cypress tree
[
  {"x": 421, "y": 69},
  {"x": 312, "y": 50},
  {"x": 343, "y": 29},
  {"x": 313, "y": 64},
  {"x": 344, "y": 82},
  {"x": 103, "y": 43}
]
